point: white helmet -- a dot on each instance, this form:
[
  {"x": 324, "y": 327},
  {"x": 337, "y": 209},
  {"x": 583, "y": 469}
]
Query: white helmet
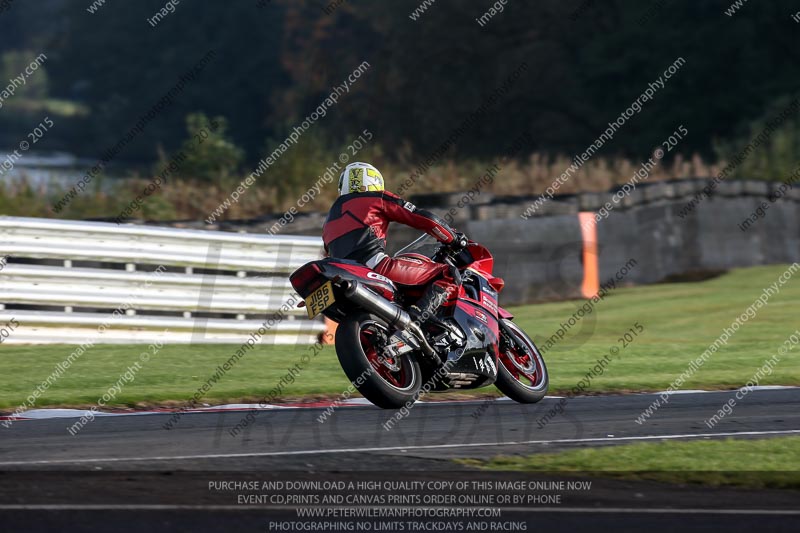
[{"x": 360, "y": 177}]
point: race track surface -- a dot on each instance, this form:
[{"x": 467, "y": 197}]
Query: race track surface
[
  {"x": 292, "y": 438},
  {"x": 129, "y": 469}
]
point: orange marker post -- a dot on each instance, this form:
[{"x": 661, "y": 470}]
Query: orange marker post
[
  {"x": 591, "y": 270},
  {"x": 329, "y": 335}
]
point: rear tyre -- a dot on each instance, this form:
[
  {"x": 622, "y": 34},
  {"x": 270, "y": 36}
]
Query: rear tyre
[
  {"x": 521, "y": 374},
  {"x": 388, "y": 383}
]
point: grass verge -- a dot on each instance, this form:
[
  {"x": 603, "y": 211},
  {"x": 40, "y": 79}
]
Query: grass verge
[
  {"x": 678, "y": 322},
  {"x": 762, "y": 463}
]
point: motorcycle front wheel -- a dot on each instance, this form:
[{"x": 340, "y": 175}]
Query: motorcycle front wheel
[
  {"x": 388, "y": 382},
  {"x": 522, "y": 373}
]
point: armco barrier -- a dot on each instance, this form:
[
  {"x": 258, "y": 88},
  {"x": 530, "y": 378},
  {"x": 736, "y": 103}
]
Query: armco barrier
[
  {"x": 65, "y": 279},
  {"x": 543, "y": 257}
]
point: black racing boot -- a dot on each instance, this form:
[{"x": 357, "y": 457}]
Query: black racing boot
[
  {"x": 423, "y": 314},
  {"x": 424, "y": 311}
]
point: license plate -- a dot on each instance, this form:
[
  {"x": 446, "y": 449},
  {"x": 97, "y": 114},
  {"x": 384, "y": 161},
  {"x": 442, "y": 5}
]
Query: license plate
[{"x": 319, "y": 300}]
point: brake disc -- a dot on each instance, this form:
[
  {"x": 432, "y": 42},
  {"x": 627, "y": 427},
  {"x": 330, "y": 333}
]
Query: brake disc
[{"x": 390, "y": 363}]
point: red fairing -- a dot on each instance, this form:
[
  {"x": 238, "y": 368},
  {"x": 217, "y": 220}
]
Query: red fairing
[
  {"x": 483, "y": 315},
  {"x": 369, "y": 277},
  {"x": 502, "y": 313},
  {"x": 483, "y": 260}
]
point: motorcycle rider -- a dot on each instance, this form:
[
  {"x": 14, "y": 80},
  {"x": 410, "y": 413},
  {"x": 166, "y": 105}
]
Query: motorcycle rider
[{"x": 356, "y": 229}]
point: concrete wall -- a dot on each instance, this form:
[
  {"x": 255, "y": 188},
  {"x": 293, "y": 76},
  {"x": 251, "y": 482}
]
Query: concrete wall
[{"x": 540, "y": 257}]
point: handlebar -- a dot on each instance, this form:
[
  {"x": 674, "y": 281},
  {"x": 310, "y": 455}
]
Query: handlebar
[
  {"x": 461, "y": 241},
  {"x": 448, "y": 252}
]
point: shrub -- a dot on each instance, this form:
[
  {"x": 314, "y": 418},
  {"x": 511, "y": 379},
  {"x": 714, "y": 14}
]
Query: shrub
[{"x": 210, "y": 157}]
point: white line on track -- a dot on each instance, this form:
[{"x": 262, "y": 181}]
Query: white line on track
[
  {"x": 397, "y": 448},
  {"x": 48, "y": 414},
  {"x": 260, "y": 508}
]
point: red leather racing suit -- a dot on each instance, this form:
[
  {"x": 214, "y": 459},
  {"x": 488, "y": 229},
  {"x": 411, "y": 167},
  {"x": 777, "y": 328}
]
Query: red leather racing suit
[{"x": 356, "y": 229}]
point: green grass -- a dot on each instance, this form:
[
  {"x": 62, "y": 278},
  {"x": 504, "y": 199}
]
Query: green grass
[
  {"x": 739, "y": 462},
  {"x": 174, "y": 374},
  {"x": 679, "y": 320}
]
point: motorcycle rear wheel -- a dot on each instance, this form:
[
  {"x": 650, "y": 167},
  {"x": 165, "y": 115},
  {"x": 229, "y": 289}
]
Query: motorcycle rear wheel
[{"x": 388, "y": 383}]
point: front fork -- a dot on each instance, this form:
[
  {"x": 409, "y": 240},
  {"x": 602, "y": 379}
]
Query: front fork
[{"x": 509, "y": 340}]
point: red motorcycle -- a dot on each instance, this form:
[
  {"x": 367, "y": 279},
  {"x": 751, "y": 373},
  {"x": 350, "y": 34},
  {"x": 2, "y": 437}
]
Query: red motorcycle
[{"x": 389, "y": 357}]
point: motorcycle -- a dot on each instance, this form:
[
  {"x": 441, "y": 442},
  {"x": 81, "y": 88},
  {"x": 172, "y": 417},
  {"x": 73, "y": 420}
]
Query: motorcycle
[{"x": 389, "y": 358}]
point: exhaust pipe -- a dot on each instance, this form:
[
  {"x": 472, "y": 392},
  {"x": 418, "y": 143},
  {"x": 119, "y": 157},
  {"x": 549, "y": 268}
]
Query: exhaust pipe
[
  {"x": 377, "y": 304},
  {"x": 393, "y": 314}
]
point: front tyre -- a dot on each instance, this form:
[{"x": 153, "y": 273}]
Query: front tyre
[
  {"x": 389, "y": 383},
  {"x": 521, "y": 374}
]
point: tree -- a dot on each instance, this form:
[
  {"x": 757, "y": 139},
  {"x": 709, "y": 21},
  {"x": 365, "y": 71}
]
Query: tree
[{"x": 207, "y": 155}]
